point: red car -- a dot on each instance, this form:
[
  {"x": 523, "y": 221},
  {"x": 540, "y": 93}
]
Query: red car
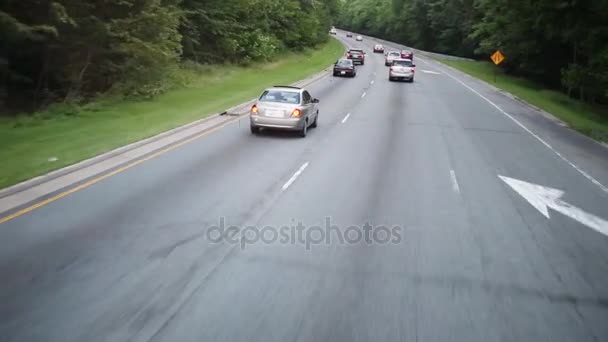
[
  {"x": 378, "y": 48},
  {"x": 406, "y": 54},
  {"x": 357, "y": 55}
]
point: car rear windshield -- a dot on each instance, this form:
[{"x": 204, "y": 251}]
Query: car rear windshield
[
  {"x": 345, "y": 62},
  {"x": 280, "y": 96},
  {"x": 394, "y": 53},
  {"x": 403, "y": 63}
]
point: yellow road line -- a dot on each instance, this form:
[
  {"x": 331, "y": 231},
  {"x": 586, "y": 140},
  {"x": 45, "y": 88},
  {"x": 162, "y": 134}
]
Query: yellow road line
[{"x": 108, "y": 175}]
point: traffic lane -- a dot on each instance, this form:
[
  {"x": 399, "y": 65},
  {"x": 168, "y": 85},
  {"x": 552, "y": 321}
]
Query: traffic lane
[
  {"x": 275, "y": 290},
  {"x": 459, "y": 264},
  {"x": 123, "y": 237},
  {"x": 376, "y": 169},
  {"x": 570, "y": 258},
  {"x": 478, "y": 129}
]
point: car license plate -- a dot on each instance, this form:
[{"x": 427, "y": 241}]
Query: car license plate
[
  {"x": 342, "y": 72},
  {"x": 274, "y": 113}
]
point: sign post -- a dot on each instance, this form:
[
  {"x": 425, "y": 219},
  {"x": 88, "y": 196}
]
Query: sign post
[{"x": 497, "y": 57}]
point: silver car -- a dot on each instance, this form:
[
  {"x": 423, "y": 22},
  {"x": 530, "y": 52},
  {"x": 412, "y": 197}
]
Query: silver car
[
  {"x": 390, "y": 57},
  {"x": 284, "y": 107},
  {"x": 359, "y": 39},
  {"x": 402, "y": 69}
]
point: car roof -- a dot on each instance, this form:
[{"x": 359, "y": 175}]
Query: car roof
[
  {"x": 355, "y": 49},
  {"x": 393, "y": 52},
  {"x": 401, "y": 59}
]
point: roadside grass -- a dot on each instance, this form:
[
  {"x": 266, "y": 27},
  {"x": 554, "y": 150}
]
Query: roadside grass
[
  {"x": 72, "y": 134},
  {"x": 588, "y": 119}
]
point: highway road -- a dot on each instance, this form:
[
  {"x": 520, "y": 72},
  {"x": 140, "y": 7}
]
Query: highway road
[{"x": 471, "y": 238}]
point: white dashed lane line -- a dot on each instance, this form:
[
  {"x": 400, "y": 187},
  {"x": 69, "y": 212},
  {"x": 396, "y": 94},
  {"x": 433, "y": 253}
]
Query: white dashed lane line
[
  {"x": 345, "y": 118},
  {"x": 295, "y": 176}
]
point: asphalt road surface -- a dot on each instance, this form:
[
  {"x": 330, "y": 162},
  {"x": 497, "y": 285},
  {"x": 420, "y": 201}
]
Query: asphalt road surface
[{"x": 463, "y": 254}]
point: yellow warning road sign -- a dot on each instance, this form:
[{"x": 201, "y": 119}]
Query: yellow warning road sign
[{"x": 497, "y": 57}]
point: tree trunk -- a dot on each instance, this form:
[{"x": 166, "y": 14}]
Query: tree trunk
[{"x": 77, "y": 85}]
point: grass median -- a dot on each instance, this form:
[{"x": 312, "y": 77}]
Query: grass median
[
  {"x": 36, "y": 144},
  {"x": 583, "y": 117}
]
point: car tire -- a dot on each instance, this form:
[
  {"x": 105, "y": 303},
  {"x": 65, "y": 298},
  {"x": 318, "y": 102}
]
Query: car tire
[
  {"x": 314, "y": 123},
  {"x": 411, "y": 80},
  {"x": 390, "y": 79},
  {"x": 255, "y": 130},
  {"x": 304, "y": 130}
]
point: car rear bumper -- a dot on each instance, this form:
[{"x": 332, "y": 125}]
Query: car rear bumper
[
  {"x": 346, "y": 72},
  {"x": 406, "y": 75},
  {"x": 281, "y": 123}
]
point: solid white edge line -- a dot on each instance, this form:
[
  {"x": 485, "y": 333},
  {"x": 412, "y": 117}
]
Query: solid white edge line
[
  {"x": 455, "y": 185},
  {"x": 295, "y": 176},
  {"x": 363, "y": 95},
  {"x": 585, "y": 174},
  {"x": 345, "y": 118}
]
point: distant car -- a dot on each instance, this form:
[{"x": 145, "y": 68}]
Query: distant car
[
  {"x": 359, "y": 38},
  {"x": 390, "y": 57},
  {"x": 349, "y": 35},
  {"x": 284, "y": 107},
  {"x": 407, "y": 54},
  {"x": 402, "y": 69},
  {"x": 378, "y": 48},
  {"x": 333, "y": 31},
  {"x": 345, "y": 67},
  {"x": 357, "y": 56}
]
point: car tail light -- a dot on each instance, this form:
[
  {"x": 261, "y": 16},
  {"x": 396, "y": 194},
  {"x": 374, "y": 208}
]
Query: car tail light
[
  {"x": 296, "y": 113},
  {"x": 254, "y": 109},
  {"x": 413, "y": 70}
]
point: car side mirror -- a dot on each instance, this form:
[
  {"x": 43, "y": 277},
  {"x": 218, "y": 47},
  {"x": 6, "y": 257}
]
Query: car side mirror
[
  {"x": 315, "y": 100},
  {"x": 413, "y": 65}
]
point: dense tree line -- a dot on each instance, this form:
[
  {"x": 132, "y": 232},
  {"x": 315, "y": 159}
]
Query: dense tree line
[
  {"x": 69, "y": 50},
  {"x": 562, "y": 43}
]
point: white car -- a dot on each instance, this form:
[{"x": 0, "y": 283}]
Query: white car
[
  {"x": 390, "y": 57},
  {"x": 359, "y": 38},
  {"x": 402, "y": 69},
  {"x": 333, "y": 31}
]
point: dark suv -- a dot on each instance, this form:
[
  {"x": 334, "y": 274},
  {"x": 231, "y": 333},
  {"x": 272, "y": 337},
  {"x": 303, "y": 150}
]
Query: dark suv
[{"x": 357, "y": 55}]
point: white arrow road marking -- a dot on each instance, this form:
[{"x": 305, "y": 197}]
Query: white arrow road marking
[
  {"x": 542, "y": 198},
  {"x": 363, "y": 95},
  {"x": 295, "y": 176},
  {"x": 430, "y": 72}
]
